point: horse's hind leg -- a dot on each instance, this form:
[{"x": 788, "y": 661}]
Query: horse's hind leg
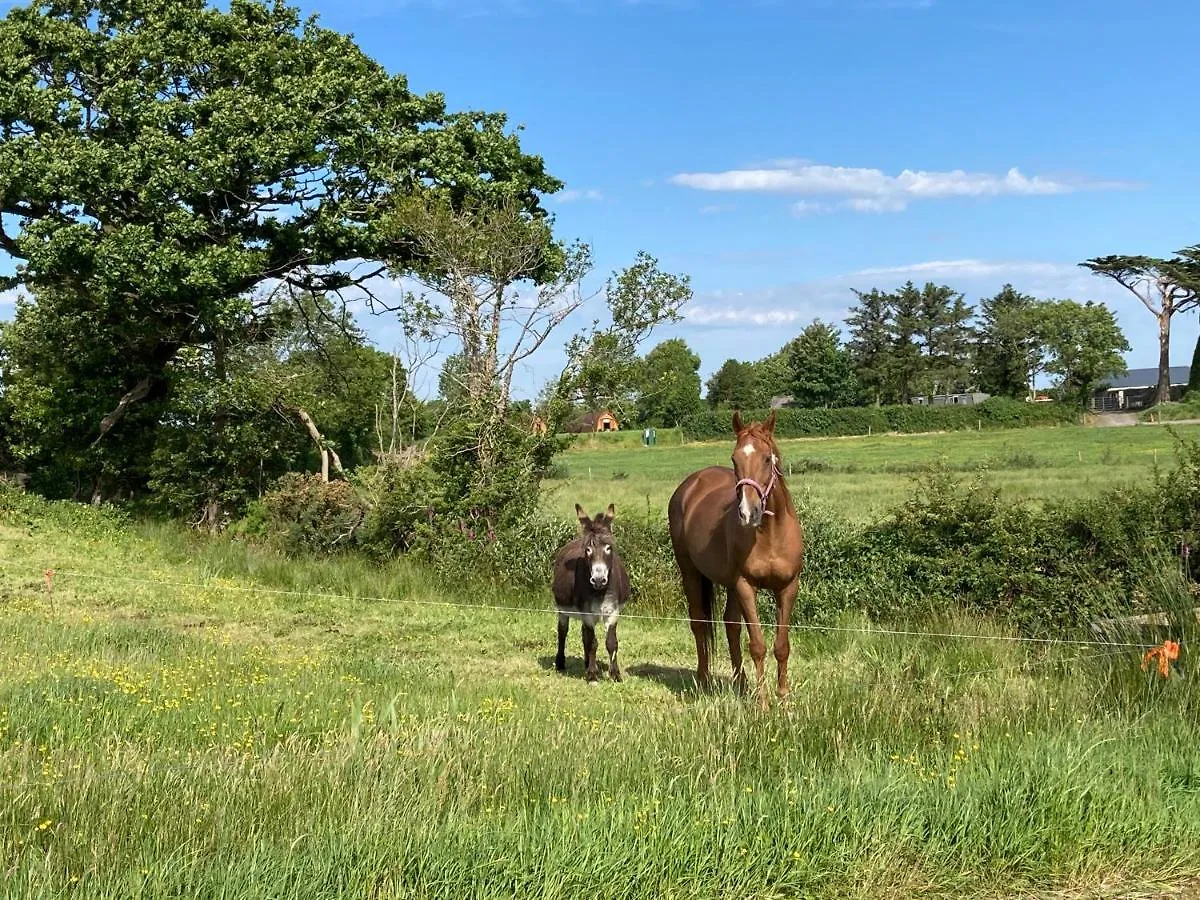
[
  {"x": 560, "y": 660},
  {"x": 733, "y": 633},
  {"x": 694, "y": 589}
]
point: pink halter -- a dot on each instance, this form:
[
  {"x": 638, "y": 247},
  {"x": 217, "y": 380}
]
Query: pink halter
[{"x": 763, "y": 492}]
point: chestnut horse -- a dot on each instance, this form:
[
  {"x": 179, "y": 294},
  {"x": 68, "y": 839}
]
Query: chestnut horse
[{"x": 738, "y": 528}]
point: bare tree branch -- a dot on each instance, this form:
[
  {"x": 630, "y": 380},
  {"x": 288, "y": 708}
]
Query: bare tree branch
[
  {"x": 138, "y": 392},
  {"x": 328, "y": 454}
]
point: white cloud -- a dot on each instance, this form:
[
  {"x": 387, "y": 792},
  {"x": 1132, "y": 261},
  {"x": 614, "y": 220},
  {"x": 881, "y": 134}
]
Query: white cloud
[
  {"x": 571, "y": 195},
  {"x": 8, "y": 300},
  {"x": 713, "y": 316},
  {"x": 809, "y": 207},
  {"x": 874, "y": 204},
  {"x": 829, "y": 299},
  {"x": 974, "y": 268},
  {"x": 873, "y": 190}
]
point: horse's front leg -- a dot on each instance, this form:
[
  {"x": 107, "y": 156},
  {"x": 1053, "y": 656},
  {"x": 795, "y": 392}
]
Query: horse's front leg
[
  {"x": 746, "y": 594},
  {"x": 785, "y": 602},
  {"x": 733, "y": 634},
  {"x": 610, "y": 644}
]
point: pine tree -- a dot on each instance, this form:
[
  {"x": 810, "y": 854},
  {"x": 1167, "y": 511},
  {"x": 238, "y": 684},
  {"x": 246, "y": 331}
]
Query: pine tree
[
  {"x": 1192, "y": 390},
  {"x": 1007, "y": 345},
  {"x": 903, "y": 364},
  {"x": 822, "y": 370},
  {"x": 870, "y": 342}
]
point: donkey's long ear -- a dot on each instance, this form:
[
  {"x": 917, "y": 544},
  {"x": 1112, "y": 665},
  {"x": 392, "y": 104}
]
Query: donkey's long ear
[
  {"x": 584, "y": 519},
  {"x": 737, "y": 421},
  {"x": 769, "y": 423},
  {"x": 610, "y": 514}
]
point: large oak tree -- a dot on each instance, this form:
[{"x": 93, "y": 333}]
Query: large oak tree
[{"x": 165, "y": 166}]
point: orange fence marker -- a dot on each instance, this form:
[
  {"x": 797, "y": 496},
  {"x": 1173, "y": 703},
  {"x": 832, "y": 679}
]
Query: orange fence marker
[
  {"x": 1166, "y": 654},
  {"x": 49, "y": 576}
]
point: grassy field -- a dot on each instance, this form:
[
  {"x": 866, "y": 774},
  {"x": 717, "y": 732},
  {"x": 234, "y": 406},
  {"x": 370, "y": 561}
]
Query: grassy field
[
  {"x": 199, "y": 719},
  {"x": 860, "y": 478}
]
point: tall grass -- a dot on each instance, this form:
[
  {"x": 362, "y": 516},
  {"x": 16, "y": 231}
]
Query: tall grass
[{"x": 219, "y": 739}]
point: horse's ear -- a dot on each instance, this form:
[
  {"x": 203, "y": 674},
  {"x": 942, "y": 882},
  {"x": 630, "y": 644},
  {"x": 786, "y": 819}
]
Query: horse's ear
[
  {"x": 737, "y": 421},
  {"x": 769, "y": 423},
  {"x": 584, "y": 518}
]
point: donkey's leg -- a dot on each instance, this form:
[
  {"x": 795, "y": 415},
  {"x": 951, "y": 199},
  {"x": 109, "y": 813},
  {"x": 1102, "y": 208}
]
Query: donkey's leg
[
  {"x": 785, "y": 601},
  {"x": 758, "y": 647},
  {"x": 589, "y": 649},
  {"x": 610, "y": 644},
  {"x": 693, "y": 589},
  {"x": 564, "y": 624},
  {"x": 733, "y": 633}
]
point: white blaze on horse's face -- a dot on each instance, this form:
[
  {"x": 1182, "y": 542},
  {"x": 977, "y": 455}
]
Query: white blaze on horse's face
[
  {"x": 749, "y": 513},
  {"x": 757, "y": 464}
]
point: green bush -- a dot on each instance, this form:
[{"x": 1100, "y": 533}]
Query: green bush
[
  {"x": 305, "y": 514},
  {"x": 993, "y": 414}
]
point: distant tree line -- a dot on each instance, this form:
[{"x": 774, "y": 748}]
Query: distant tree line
[
  {"x": 913, "y": 342},
  {"x": 899, "y": 346}
]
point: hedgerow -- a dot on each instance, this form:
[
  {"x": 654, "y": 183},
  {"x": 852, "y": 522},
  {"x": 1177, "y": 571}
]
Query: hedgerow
[
  {"x": 952, "y": 545},
  {"x": 994, "y": 413}
]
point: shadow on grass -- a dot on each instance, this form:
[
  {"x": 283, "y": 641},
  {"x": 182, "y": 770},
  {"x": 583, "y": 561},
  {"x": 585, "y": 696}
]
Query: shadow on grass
[{"x": 677, "y": 680}]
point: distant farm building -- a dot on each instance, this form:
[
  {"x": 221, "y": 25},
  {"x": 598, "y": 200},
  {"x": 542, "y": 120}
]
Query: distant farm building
[
  {"x": 965, "y": 399},
  {"x": 783, "y": 400},
  {"x": 597, "y": 421},
  {"x": 1137, "y": 388}
]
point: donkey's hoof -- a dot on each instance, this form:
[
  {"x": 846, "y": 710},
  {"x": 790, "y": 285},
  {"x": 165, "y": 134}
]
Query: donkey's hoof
[
  {"x": 560, "y": 663},
  {"x": 615, "y": 674}
]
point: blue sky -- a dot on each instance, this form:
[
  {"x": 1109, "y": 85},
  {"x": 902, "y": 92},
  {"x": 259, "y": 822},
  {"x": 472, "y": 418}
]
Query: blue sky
[
  {"x": 625, "y": 100},
  {"x": 783, "y": 151}
]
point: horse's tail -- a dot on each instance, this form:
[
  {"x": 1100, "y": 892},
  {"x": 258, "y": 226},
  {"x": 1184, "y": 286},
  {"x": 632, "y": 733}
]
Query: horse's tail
[{"x": 707, "y": 603}]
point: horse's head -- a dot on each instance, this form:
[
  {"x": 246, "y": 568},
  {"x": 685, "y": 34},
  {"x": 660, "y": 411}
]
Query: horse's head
[
  {"x": 597, "y": 543},
  {"x": 755, "y": 464}
]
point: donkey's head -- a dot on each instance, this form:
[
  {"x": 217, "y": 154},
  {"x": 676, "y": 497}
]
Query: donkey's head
[
  {"x": 597, "y": 543},
  {"x": 755, "y": 465}
]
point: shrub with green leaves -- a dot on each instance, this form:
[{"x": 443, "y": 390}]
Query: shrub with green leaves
[{"x": 306, "y": 514}]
